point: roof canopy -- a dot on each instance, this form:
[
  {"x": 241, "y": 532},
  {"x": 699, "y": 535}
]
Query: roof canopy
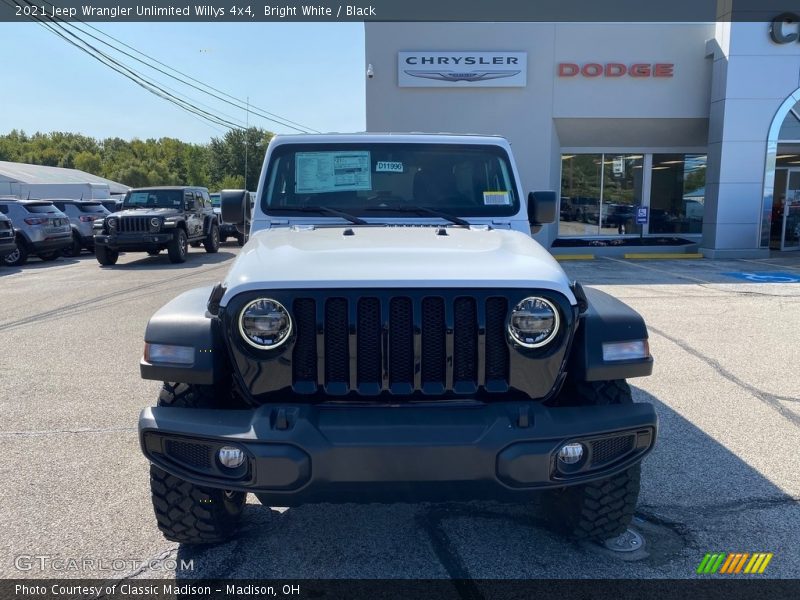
[{"x": 40, "y": 174}]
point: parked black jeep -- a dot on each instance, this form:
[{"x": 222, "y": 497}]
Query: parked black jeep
[{"x": 155, "y": 219}]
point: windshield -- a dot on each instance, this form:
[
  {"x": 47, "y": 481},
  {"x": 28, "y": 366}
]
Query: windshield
[
  {"x": 215, "y": 200},
  {"x": 362, "y": 179},
  {"x": 154, "y": 199}
]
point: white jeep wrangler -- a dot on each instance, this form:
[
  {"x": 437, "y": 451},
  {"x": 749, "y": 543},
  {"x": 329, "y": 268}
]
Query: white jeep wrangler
[{"x": 391, "y": 332}]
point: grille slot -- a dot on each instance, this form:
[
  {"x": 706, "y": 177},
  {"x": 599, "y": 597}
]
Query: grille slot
[
  {"x": 399, "y": 344},
  {"x": 609, "y": 449},
  {"x": 465, "y": 344},
  {"x": 336, "y": 354},
  {"x": 434, "y": 342},
  {"x": 190, "y": 454},
  {"x": 304, "y": 355},
  {"x": 134, "y": 224}
]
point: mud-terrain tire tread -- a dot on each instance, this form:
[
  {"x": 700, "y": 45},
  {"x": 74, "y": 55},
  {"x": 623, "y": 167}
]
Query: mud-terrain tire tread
[
  {"x": 105, "y": 256},
  {"x": 211, "y": 243},
  {"x": 192, "y": 514},
  {"x": 601, "y": 509},
  {"x": 178, "y": 247}
]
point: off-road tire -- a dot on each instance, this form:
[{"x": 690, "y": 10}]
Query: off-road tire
[
  {"x": 17, "y": 258},
  {"x": 188, "y": 513},
  {"x": 240, "y": 239},
  {"x": 75, "y": 248},
  {"x": 105, "y": 256},
  {"x": 49, "y": 256},
  {"x": 193, "y": 514},
  {"x": 602, "y": 509},
  {"x": 178, "y": 247},
  {"x": 596, "y": 511},
  {"x": 211, "y": 242}
]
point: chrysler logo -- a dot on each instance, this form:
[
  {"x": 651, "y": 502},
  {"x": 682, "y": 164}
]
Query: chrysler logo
[{"x": 462, "y": 76}]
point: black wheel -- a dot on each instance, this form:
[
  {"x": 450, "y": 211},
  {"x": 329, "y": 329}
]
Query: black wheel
[
  {"x": 178, "y": 248},
  {"x": 75, "y": 248},
  {"x": 602, "y": 509},
  {"x": 49, "y": 256},
  {"x": 18, "y": 257},
  {"x": 153, "y": 252},
  {"x": 105, "y": 255},
  {"x": 211, "y": 242},
  {"x": 188, "y": 513},
  {"x": 240, "y": 239},
  {"x": 223, "y": 238}
]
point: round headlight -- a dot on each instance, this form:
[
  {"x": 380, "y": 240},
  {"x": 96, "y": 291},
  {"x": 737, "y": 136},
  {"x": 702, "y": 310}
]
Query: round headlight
[
  {"x": 534, "y": 322},
  {"x": 265, "y": 324},
  {"x": 155, "y": 223},
  {"x": 112, "y": 223}
]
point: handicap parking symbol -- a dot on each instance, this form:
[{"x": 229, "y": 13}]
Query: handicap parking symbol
[{"x": 766, "y": 277}]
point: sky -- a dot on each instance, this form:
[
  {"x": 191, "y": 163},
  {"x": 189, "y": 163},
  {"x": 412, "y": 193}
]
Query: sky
[{"x": 310, "y": 73}]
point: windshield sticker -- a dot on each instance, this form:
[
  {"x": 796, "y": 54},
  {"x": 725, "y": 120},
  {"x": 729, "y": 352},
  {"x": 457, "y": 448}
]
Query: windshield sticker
[
  {"x": 385, "y": 166},
  {"x": 496, "y": 198},
  {"x": 317, "y": 172}
]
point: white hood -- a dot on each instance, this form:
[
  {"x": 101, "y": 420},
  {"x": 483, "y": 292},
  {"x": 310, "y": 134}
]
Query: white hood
[{"x": 393, "y": 257}]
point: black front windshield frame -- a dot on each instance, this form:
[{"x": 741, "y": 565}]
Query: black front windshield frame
[
  {"x": 154, "y": 199},
  {"x": 464, "y": 180}
]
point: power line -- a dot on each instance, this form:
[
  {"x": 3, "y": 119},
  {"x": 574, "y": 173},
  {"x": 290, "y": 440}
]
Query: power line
[
  {"x": 125, "y": 71},
  {"x": 239, "y": 103}
]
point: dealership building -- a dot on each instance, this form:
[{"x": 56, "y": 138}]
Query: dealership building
[{"x": 681, "y": 137}]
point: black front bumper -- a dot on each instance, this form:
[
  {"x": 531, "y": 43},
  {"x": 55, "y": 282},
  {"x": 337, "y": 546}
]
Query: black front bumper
[
  {"x": 137, "y": 242},
  {"x": 320, "y": 453}
]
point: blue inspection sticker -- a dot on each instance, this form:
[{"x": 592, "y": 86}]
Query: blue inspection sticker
[{"x": 766, "y": 277}]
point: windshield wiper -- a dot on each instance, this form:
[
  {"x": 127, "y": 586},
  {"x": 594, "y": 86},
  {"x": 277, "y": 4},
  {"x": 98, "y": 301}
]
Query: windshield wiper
[
  {"x": 421, "y": 210},
  {"x": 323, "y": 210}
]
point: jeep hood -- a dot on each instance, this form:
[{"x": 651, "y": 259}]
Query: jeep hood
[
  {"x": 393, "y": 257},
  {"x": 146, "y": 212}
]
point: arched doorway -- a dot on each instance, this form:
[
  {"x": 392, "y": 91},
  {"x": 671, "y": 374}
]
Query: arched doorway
[{"x": 780, "y": 222}]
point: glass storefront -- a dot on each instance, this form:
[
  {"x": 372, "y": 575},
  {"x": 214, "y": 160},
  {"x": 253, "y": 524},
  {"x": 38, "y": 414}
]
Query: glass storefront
[
  {"x": 677, "y": 193},
  {"x": 600, "y": 194}
]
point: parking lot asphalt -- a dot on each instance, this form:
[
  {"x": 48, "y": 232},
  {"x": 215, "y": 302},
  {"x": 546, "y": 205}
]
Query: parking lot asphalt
[{"x": 724, "y": 477}]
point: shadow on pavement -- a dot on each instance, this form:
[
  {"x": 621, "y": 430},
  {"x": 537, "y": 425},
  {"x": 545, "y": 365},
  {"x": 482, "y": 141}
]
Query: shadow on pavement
[
  {"x": 694, "y": 491},
  {"x": 197, "y": 257}
]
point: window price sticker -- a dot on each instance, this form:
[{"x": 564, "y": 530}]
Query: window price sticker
[{"x": 496, "y": 198}]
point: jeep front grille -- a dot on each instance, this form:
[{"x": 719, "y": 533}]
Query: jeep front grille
[
  {"x": 134, "y": 224},
  {"x": 400, "y": 344}
]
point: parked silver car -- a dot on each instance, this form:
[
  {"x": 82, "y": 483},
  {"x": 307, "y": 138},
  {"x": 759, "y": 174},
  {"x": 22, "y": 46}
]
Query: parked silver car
[
  {"x": 81, "y": 214},
  {"x": 41, "y": 229}
]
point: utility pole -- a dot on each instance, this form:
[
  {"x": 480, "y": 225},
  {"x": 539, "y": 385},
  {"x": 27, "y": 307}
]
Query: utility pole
[{"x": 246, "y": 131}]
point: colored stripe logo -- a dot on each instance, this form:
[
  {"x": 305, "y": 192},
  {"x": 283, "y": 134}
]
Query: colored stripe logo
[{"x": 734, "y": 563}]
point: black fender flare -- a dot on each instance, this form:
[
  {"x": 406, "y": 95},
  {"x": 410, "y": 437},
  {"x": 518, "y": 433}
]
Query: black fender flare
[
  {"x": 185, "y": 321},
  {"x": 606, "y": 319}
]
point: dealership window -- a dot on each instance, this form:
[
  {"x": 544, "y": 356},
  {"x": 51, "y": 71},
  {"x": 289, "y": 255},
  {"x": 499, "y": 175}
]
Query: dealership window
[
  {"x": 599, "y": 193},
  {"x": 677, "y": 193}
]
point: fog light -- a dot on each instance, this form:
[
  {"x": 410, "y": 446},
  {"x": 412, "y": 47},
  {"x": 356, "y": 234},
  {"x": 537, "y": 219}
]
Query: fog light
[
  {"x": 570, "y": 453},
  {"x": 231, "y": 457}
]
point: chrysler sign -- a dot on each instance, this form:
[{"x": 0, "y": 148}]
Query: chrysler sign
[{"x": 462, "y": 69}]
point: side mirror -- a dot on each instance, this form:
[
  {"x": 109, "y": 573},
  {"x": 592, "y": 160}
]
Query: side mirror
[
  {"x": 235, "y": 207},
  {"x": 541, "y": 207}
]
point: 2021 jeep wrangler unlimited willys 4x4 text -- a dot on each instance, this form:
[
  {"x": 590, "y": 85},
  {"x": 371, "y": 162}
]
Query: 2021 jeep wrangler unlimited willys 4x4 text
[{"x": 391, "y": 332}]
